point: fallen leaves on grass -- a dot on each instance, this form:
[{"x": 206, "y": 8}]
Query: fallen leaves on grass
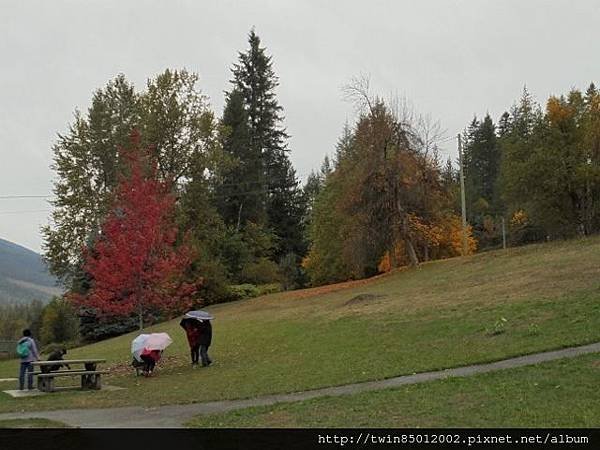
[{"x": 124, "y": 368}]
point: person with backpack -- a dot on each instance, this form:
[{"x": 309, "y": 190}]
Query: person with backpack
[{"x": 28, "y": 352}]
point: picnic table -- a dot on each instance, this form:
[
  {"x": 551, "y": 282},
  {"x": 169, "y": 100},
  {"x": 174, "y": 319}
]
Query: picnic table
[{"x": 90, "y": 375}]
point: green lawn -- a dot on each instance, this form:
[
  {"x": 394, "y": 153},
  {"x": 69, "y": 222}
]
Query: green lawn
[
  {"x": 561, "y": 393},
  {"x": 31, "y": 423},
  {"x": 443, "y": 315}
]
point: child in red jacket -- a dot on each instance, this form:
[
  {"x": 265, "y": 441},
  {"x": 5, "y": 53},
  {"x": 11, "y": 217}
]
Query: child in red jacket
[{"x": 192, "y": 332}]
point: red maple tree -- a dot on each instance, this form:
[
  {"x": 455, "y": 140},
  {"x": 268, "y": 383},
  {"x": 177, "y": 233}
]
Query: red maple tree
[{"x": 135, "y": 264}]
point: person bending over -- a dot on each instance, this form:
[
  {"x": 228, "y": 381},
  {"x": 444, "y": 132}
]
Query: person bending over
[
  {"x": 56, "y": 355},
  {"x": 150, "y": 358}
]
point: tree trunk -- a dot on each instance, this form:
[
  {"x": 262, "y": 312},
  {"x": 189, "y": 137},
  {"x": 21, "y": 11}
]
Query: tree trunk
[
  {"x": 141, "y": 316},
  {"x": 239, "y": 220},
  {"x": 589, "y": 204},
  {"x": 410, "y": 249}
]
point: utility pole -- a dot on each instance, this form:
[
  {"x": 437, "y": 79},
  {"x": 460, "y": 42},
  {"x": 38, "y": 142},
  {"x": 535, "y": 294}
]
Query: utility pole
[
  {"x": 462, "y": 198},
  {"x": 503, "y": 235}
]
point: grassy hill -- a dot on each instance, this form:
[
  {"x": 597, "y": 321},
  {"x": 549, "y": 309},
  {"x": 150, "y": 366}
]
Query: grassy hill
[
  {"x": 448, "y": 313},
  {"x": 23, "y": 275}
]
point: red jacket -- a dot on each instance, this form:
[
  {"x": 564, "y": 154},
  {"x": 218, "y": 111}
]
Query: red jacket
[
  {"x": 193, "y": 336},
  {"x": 154, "y": 354}
]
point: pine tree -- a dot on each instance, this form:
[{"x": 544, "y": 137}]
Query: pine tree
[
  {"x": 286, "y": 209},
  {"x": 482, "y": 168},
  {"x": 504, "y": 124},
  {"x": 488, "y": 153},
  {"x": 240, "y": 195},
  {"x": 312, "y": 187},
  {"x": 343, "y": 145},
  {"x": 275, "y": 200},
  {"x": 526, "y": 115}
]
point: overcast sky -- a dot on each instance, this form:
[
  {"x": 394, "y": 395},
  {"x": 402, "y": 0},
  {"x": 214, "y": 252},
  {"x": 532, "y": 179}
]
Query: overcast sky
[{"x": 451, "y": 59}]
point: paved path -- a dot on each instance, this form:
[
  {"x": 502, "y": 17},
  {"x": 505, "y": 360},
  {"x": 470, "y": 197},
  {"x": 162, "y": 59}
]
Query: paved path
[{"x": 177, "y": 415}]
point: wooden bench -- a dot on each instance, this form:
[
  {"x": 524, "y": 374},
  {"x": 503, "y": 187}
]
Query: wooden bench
[{"x": 90, "y": 376}]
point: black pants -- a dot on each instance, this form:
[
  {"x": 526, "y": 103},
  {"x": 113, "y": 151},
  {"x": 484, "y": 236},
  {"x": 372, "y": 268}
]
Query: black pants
[
  {"x": 204, "y": 355},
  {"x": 195, "y": 351},
  {"x": 149, "y": 363}
]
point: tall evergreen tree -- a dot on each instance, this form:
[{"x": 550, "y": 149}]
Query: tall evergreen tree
[
  {"x": 286, "y": 208},
  {"x": 343, "y": 146},
  {"x": 482, "y": 168},
  {"x": 504, "y": 124},
  {"x": 271, "y": 193},
  {"x": 312, "y": 187},
  {"x": 550, "y": 167},
  {"x": 526, "y": 116},
  {"x": 482, "y": 164},
  {"x": 240, "y": 196}
]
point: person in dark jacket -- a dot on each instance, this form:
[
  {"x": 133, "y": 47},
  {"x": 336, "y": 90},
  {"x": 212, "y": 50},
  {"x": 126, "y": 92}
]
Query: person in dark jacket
[
  {"x": 56, "y": 355},
  {"x": 205, "y": 340}
]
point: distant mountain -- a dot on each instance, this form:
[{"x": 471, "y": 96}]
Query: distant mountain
[{"x": 24, "y": 276}]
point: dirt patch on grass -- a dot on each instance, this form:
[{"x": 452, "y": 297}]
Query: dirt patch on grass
[
  {"x": 361, "y": 299},
  {"x": 322, "y": 290},
  {"x": 596, "y": 364}
]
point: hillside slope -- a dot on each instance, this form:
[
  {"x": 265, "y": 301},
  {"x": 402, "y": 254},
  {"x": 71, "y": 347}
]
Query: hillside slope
[
  {"x": 449, "y": 313},
  {"x": 23, "y": 275}
]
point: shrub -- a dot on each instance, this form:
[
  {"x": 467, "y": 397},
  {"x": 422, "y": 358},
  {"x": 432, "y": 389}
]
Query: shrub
[
  {"x": 292, "y": 273},
  {"x": 265, "y": 289},
  {"x": 214, "y": 287},
  {"x": 499, "y": 327},
  {"x": 14, "y": 318},
  {"x": 49, "y": 348},
  {"x": 92, "y": 328},
  {"x": 59, "y": 322},
  {"x": 261, "y": 271},
  {"x": 243, "y": 291},
  {"x": 522, "y": 231},
  {"x": 533, "y": 329}
]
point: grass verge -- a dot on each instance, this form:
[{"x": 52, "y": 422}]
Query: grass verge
[
  {"x": 561, "y": 393},
  {"x": 31, "y": 423}
]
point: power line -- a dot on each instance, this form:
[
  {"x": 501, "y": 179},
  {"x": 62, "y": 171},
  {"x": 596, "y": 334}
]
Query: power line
[
  {"x": 462, "y": 197},
  {"x": 8, "y": 197},
  {"x": 241, "y": 194},
  {"x": 213, "y": 197},
  {"x": 217, "y": 185},
  {"x": 25, "y": 211}
]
